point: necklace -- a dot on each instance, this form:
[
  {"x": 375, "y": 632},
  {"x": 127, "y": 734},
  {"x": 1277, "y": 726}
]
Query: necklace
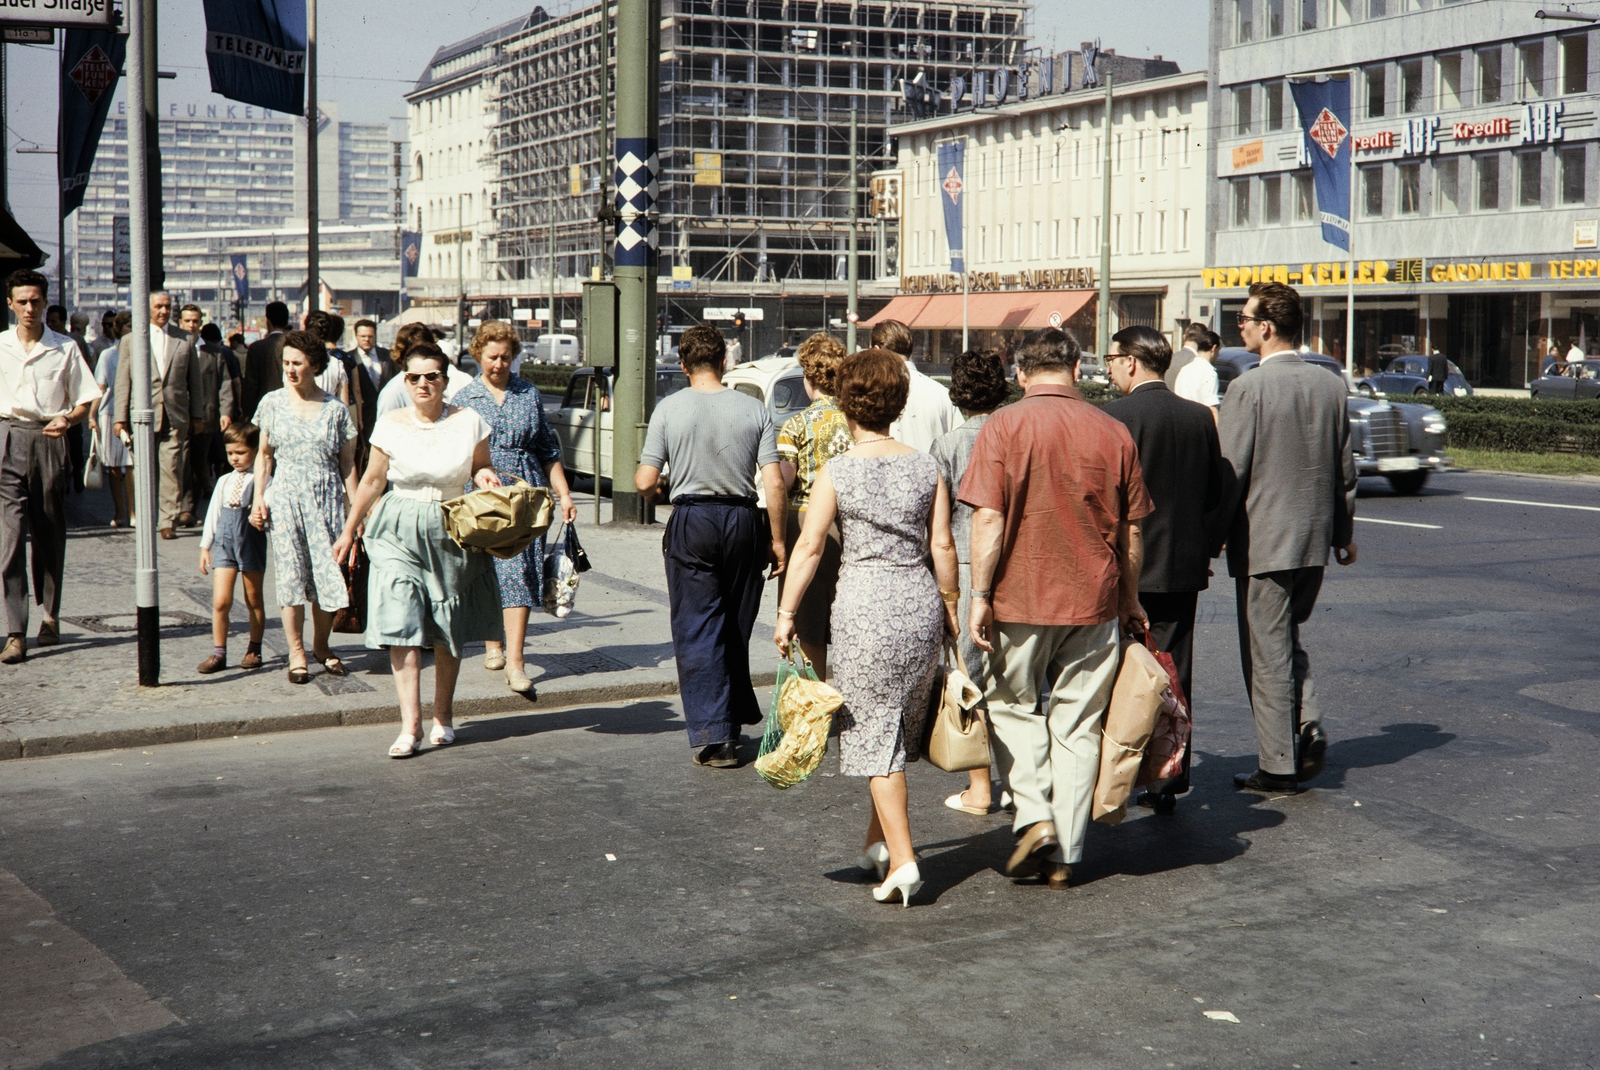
[{"x": 870, "y": 441}]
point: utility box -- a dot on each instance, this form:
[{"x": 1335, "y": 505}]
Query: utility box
[{"x": 600, "y": 323}]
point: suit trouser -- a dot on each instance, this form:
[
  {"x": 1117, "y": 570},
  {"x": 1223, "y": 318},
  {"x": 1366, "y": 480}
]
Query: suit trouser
[
  {"x": 172, "y": 464},
  {"x": 715, "y": 549},
  {"x": 1048, "y": 689},
  {"x": 33, "y": 501},
  {"x": 197, "y": 487},
  {"x": 1171, "y": 616},
  {"x": 1277, "y": 672}
]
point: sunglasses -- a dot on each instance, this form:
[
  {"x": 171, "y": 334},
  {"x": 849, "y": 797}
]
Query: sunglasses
[
  {"x": 413, "y": 378},
  {"x": 1241, "y": 319}
]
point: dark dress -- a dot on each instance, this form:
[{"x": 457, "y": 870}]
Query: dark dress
[{"x": 521, "y": 443}]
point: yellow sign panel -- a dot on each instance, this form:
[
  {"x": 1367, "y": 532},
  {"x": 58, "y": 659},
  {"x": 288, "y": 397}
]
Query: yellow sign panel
[
  {"x": 1374, "y": 273},
  {"x": 681, "y": 272},
  {"x": 708, "y": 168},
  {"x": 1250, "y": 154},
  {"x": 575, "y": 179}
]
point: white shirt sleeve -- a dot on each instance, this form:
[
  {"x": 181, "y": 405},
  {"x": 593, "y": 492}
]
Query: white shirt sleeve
[
  {"x": 393, "y": 396},
  {"x": 208, "y": 533}
]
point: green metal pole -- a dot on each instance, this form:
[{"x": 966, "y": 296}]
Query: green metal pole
[{"x": 1103, "y": 338}]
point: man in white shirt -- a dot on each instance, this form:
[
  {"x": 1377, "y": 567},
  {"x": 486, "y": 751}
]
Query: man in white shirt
[
  {"x": 928, "y": 412},
  {"x": 1198, "y": 380},
  {"x": 45, "y": 389}
]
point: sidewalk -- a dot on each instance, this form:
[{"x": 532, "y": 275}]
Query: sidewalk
[{"x": 84, "y": 695}]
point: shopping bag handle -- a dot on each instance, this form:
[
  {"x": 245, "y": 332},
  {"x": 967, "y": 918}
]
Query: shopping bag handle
[{"x": 952, "y": 650}]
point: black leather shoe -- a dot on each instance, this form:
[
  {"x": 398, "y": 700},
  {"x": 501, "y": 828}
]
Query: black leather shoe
[
  {"x": 1267, "y": 783},
  {"x": 719, "y": 756},
  {"x": 1313, "y": 752},
  {"x": 1162, "y": 802}
]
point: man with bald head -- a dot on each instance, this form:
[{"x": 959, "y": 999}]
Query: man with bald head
[{"x": 174, "y": 380}]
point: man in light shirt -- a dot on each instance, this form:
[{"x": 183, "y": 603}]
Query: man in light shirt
[
  {"x": 1197, "y": 381},
  {"x": 45, "y": 389},
  {"x": 928, "y": 412}
]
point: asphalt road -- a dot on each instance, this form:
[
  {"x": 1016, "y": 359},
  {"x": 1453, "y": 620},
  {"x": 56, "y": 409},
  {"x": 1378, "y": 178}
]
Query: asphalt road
[{"x": 566, "y": 887}]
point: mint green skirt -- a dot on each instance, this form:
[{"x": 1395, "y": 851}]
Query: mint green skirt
[{"x": 422, "y": 589}]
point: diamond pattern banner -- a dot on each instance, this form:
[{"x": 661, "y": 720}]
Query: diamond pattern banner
[{"x": 638, "y": 165}]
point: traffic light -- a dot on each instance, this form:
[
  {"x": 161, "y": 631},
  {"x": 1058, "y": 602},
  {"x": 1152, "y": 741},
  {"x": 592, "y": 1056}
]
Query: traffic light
[{"x": 738, "y": 321}]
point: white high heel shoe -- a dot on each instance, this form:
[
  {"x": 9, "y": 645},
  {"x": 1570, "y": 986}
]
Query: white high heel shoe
[
  {"x": 905, "y": 881},
  {"x": 875, "y": 860}
]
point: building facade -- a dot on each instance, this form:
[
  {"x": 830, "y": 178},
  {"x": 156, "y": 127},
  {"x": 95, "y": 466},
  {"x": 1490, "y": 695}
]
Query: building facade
[{"x": 1475, "y": 194}]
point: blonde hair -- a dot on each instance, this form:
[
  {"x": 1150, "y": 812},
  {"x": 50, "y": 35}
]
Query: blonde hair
[{"x": 494, "y": 331}]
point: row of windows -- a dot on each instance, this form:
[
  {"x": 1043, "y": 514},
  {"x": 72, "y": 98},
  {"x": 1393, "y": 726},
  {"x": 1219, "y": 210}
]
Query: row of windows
[
  {"x": 442, "y": 213},
  {"x": 1253, "y": 19},
  {"x": 448, "y": 108},
  {"x": 1146, "y": 232},
  {"x": 1015, "y": 165}
]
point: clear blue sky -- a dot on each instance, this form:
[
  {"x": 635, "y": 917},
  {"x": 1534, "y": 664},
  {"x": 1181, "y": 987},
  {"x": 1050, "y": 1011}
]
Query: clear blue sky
[{"x": 370, "y": 53}]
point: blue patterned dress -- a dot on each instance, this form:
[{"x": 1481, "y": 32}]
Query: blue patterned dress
[
  {"x": 306, "y": 498},
  {"x": 521, "y": 443}
]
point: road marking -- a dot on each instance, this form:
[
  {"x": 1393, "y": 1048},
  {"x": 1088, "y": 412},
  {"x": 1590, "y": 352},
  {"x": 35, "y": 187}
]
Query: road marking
[
  {"x": 1542, "y": 505},
  {"x": 1399, "y": 523}
]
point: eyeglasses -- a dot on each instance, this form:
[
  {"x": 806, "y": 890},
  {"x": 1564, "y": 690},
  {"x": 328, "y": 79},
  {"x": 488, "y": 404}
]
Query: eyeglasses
[
  {"x": 413, "y": 378},
  {"x": 1241, "y": 319}
]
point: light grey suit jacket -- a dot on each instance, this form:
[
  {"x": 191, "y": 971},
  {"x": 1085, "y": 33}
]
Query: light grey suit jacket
[
  {"x": 170, "y": 394},
  {"x": 1286, "y": 431}
]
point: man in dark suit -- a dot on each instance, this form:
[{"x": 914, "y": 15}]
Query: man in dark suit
[
  {"x": 263, "y": 364},
  {"x": 1184, "y": 472},
  {"x": 1438, "y": 372},
  {"x": 373, "y": 368},
  {"x": 1286, "y": 432},
  {"x": 175, "y": 386}
]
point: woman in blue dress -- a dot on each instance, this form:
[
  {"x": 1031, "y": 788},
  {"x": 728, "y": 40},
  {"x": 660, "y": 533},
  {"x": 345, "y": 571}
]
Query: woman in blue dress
[{"x": 522, "y": 445}]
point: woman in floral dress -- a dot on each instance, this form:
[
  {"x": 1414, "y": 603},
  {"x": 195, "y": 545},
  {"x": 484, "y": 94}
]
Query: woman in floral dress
[{"x": 522, "y": 445}]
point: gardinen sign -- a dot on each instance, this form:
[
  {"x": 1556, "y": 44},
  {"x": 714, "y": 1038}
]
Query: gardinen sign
[{"x": 1410, "y": 272}]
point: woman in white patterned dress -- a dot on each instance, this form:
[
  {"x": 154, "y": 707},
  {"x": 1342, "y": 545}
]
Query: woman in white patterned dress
[{"x": 888, "y": 623}]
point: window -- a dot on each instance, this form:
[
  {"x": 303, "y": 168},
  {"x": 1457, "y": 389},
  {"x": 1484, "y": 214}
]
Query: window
[
  {"x": 1038, "y": 160},
  {"x": 1241, "y": 111},
  {"x": 1572, "y": 176},
  {"x": 1116, "y": 161},
  {"x": 1532, "y": 62},
  {"x": 1450, "y": 81},
  {"x": 1272, "y": 199},
  {"x": 1274, "y": 18},
  {"x": 1016, "y": 241},
  {"x": 1183, "y": 228},
  {"x": 983, "y": 244},
  {"x": 1038, "y": 239},
  {"x": 1241, "y": 202},
  {"x": 1077, "y": 235},
  {"x": 1099, "y": 154},
  {"x": 999, "y": 167},
  {"x": 1275, "y": 106},
  {"x": 1308, "y": 15},
  {"x": 1186, "y": 143},
  {"x": 1138, "y": 151},
  {"x": 1000, "y": 241},
  {"x": 1244, "y": 28},
  {"x": 1530, "y": 179},
  {"x": 1408, "y": 179},
  {"x": 1488, "y": 183},
  {"x": 1077, "y": 158},
  {"x": 1095, "y": 234},
  {"x": 1446, "y": 186},
  {"x": 1055, "y": 163},
  {"x": 1340, "y": 13},
  {"x": 1161, "y": 232},
  {"x": 1376, "y": 84},
  {"x": 1055, "y": 239},
  {"x": 1166, "y": 136},
  {"x": 1116, "y": 233},
  {"x": 1377, "y": 9},
  {"x": 1372, "y": 191},
  {"x": 1305, "y": 204},
  {"x": 1411, "y": 86},
  {"x": 1575, "y": 63},
  {"x": 916, "y": 247},
  {"x": 1138, "y": 232},
  {"x": 1489, "y": 76}
]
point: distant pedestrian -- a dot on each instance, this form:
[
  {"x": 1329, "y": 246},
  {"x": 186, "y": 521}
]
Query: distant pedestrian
[
  {"x": 1184, "y": 475},
  {"x": 426, "y": 591},
  {"x": 174, "y": 385},
  {"x": 928, "y": 412},
  {"x": 1286, "y": 431},
  {"x": 714, "y": 440},
  {"x": 206, "y": 409},
  {"x": 1552, "y": 357},
  {"x": 45, "y": 392},
  {"x": 1438, "y": 372},
  {"x": 890, "y": 616},
  {"x": 806, "y": 442},
  {"x": 231, "y": 548},
  {"x": 79, "y": 323},
  {"x": 522, "y": 445},
  {"x": 263, "y": 365},
  {"x": 106, "y": 340},
  {"x": 734, "y": 355},
  {"x": 230, "y": 382},
  {"x": 1197, "y": 382},
  {"x": 978, "y": 386},
  {"x": 334, "y": 377},
  {"x": 1057, "y": 501},
  {"x": 308, "y": 450},
  {"x": 373, "y": 368},
  {"x": 190, "y": 319},
  {"x": 115, "y": 460}
]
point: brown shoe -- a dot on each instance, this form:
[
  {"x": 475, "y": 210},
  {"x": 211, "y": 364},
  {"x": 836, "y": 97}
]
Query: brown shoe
[
  {"x": 214, "y": 663},
  {"x": 168, "y": 533},
  {"x": 16, "y": 650},
  {"x": 186, "y": 520},
  {"x": 1057, "y": 875},
  {"x": 1028, "y": 858},
  {"x": 49, "y": 634},
  {"x": 250, "y": 661}
]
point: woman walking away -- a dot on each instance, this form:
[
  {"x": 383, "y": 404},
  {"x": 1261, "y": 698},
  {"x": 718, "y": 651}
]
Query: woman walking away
[
  {"x": 978, "y": 386},
  {"x": 114, "y": 457},
  {"x": 522, "y": 445},
  {"x": 425, "y": 591},
  {"x": 806, "y": 442},
  {"x": 888, "y": 623},
  {"x": 308, "y": 449}
]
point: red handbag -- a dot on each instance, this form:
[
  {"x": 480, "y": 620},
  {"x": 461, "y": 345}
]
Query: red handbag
[{"x": 1163, "y": 757}]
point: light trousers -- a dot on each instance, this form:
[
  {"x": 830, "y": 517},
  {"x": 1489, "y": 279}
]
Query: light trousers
[
  {"x": 1277, "y": 671},
  {"x": 1048, "y": 689},
  {"x": 33, "y": 501},
  {"x": 172, "y": 466}
]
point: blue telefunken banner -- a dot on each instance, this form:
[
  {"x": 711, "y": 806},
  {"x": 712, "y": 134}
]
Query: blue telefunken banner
[
  {"x": 410, "y": 253},
  {"x": 952, "y": 166},
  {"x": 1324, "y": 109},
  {"x": 241, "y": 277},
  {"x": 256, "y": 50},
  {"x": 90, "y": 63}
]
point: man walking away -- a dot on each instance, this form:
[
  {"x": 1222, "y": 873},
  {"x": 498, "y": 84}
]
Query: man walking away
[
  {"x": 45, "y": 391},
  {"x": 1438, "y": 372},
  {"x": 205, "y": 445},
  {"x": 1058, "y": 499},
  {"x": 928, "y": 412},
  {"x": 1285, "y": 430},
  {"x": 1197, "y": 382},
  {"x": 263, "y": 363},
  {"x": 174, "y": 384},
  {"x": 714, "y": 439},
  {"x": 1184, "y": 474}
]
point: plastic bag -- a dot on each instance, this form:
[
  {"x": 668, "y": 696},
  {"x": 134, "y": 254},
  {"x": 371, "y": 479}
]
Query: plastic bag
[
  {"x": 1129, "y": 721},
  {"x": 796, "y": 738},
  {"x": 561, "y": 575}
]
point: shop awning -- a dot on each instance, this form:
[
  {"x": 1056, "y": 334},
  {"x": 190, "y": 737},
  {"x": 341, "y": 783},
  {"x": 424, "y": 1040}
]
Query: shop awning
[{"x": 1018, "y": 310}]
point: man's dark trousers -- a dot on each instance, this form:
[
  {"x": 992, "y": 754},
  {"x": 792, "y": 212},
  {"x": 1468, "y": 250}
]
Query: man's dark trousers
[
  {"x": 715, "y": 549},
  {"x": 1172, "y": 632},
  {"x": 1277, "y": 671}
]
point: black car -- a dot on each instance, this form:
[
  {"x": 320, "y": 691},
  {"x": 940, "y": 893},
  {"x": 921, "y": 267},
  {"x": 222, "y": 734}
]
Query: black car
[{"x": 1577, "y": 380}]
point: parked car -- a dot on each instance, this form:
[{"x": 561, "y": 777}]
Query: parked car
[
  {"x": 1580, "y": 379},
  {"x": 585, "y": 415},
  {"x": 776, "y": 382},
  {"x": 553, "y": 349},
  {"x": 1091, "y": 369},
  {"x": 1401, "y": 441},
  {"x": 1408, "y": 374}
]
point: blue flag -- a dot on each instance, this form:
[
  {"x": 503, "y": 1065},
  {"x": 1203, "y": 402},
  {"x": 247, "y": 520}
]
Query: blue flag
[
  {"x": 90, "y": 63},
  {"x": 1324, "y": 109},
  {"x": 410, "y": 253},
  {"x": 241, "y": 277},
  {"x": 952, "y": 166},
  {"x": 256, "y": 50}
]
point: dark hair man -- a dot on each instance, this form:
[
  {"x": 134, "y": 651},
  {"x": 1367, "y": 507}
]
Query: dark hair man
[
  {"x": 1194, "y": 378},
  {"x": 1286, "y": 431},
  {"x": 714, "y": 440},
  {"x": 372, "y": 369},
  {"x": 45, "y": 391},
  {"x": 928, "y": 412},
  {"x": 263, "y": 362},
  {"x": 176, "y": 389}
]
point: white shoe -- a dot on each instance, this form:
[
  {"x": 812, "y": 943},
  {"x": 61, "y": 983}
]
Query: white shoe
[
  {"x": 875, "y": 860},
  {"x": 494, "y": 660},
  {"x": 442, "y": 735},
  {"x": 904, "y": 882},
  {"x": 518, "y": 681},
  {"x": 404, "y": 747}
]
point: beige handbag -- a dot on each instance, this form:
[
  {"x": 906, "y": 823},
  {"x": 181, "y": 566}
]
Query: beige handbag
[
  {"x": 958, "y": 739},
  {"x": 1130, "y": 721},
  {"x": 501, "y": 520}
]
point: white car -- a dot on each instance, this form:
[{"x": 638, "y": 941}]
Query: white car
[{"x": 553, "y": 349}]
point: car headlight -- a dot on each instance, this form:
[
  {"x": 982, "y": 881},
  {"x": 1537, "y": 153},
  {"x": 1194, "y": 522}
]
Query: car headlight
[{"x": 1434, "y": 423}]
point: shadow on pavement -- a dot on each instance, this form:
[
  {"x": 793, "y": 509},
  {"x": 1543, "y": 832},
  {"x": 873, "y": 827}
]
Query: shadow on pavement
[
  {"x": 1394, "y": 743},
  {"x": 633, "y": 719}
]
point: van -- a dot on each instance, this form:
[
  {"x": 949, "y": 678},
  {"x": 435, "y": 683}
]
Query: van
[{"x": 554, "y": 349}]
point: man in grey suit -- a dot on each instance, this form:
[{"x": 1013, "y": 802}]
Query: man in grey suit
[
  {"x": 1285, "y": 429},
  {"x": 175, "y": 379}
]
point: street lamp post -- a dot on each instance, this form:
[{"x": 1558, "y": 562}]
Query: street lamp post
[
  {"x": 1103, "y": 336},
  {"x": 852, "y": 270}
]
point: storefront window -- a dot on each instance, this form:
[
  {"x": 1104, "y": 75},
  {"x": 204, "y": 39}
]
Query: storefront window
[
  {"x": 1409, "y": 179},
  {"x": 1272, "y": 199},
  {"x": 1241, "y": 202},
  {"x": 1575, "y": 63},
  {"x": 1447, "y": 186},
  {"x": 1304, "y": 199},
  {"x": 1450, "y": 81},
  {"x": 1572, "y": 176},
  {"x": 1372, "y": 190},
  {"x": 1489, "y": 76},
  {"x": 1530, "y": 179},
  {"x": 1488, "y": 183},
  {"x": 1532, "y": 56},
  {"x": 1411, "y": 86},
  {"x": 1375, "y": 92}
]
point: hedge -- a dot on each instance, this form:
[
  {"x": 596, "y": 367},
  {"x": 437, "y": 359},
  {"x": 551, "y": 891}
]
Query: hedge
[
  {"x": 1513, "y": 434},
  {"x": 549, "y": 378},
  {"x": 1583, "y": 413}
]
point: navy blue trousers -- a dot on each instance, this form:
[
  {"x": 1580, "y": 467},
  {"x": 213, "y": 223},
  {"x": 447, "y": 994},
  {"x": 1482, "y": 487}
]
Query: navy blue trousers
[{"x": 716, "y": 550}]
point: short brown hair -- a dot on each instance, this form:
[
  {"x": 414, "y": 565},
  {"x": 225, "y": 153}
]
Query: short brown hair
[
  {"x": 702, "y": 347},
  {"x": 311, "y": 345},
  {"x": 27, "y": 277},
  {"x": 364, "y": 323},
  {"x": 412, "y": 334},
  {"x": 1279, "y": 305},
  {"x": 190, "y": 308},
  {"x": 820, "y": 357},
  {"x": 122, "y": 323},
  {"x": 426, "y": 351},
  {"x": 247, "y": 435},
  {"x": 978, "y": 380},
  {"x": 893, "y": 336},
  {"x": 1048, "y": 350},
  {"x": 1146, "y": 345},
  {"x": 873, "y": 385},
  {"x": 494, "y": 331}
]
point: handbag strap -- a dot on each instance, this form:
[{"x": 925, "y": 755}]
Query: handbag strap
[{"x": 951, "y": 650}]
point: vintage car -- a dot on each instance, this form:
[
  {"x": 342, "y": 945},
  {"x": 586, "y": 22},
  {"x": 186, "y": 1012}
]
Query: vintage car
[
  {"x": 1401, "y": 441},
  {"x": 1407, "y": 374},
  {"x": 585, "y": 415},
  {"x": 1577, "y": 380}
]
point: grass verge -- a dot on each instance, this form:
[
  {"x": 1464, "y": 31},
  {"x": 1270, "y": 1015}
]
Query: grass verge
[{"x": 1540, "y": 464}]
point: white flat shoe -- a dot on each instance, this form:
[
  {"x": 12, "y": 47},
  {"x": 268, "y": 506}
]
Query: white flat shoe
[
  {"x": 875, "y": 860},
  {"x": 494, "y": 660},
  {"x": 442, "y": 736},
  {"x": 404, "y": 747},
  {"x": 957, "y": 802},
  {"x": 903, "y": 882}
]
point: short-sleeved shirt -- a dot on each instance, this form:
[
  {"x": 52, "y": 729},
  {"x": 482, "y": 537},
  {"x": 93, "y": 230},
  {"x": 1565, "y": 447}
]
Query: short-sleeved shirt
[
  {"x": 713, "y": 440},
  {"x": 42, "y": 381},
  {"x": 810, "y": 439},
  {"x": 437, "y": 454},
  {"x": 1065, "y": 476},
  {"x": 1197, "y": 381}
]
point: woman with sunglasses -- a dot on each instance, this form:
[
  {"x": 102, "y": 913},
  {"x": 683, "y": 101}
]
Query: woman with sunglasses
[{"x": 424, "y": 590}]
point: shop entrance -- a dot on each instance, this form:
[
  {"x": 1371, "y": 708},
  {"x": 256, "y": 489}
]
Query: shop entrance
[{"x": 1493, "y": 337}]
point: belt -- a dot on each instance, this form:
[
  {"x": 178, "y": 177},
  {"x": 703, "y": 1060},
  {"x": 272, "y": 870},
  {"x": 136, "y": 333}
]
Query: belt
[
  {"x": 713, "y": 499},
  {"x": 31, "y": 425},
  {"x": 424, "y": 493}
]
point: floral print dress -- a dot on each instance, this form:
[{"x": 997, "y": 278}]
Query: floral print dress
[{"x": 306, "y": 498}]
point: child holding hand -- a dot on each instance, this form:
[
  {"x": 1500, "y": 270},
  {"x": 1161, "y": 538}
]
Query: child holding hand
[{"x": 230, "y": 545}]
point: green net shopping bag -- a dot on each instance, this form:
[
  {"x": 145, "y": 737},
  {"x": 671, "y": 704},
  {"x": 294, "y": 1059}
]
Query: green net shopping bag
[{"x": 798, "y": 721}]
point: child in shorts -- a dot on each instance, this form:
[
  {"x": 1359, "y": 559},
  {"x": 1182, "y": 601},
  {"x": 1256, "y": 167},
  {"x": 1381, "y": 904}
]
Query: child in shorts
[{"x": 229, "y": 546}]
